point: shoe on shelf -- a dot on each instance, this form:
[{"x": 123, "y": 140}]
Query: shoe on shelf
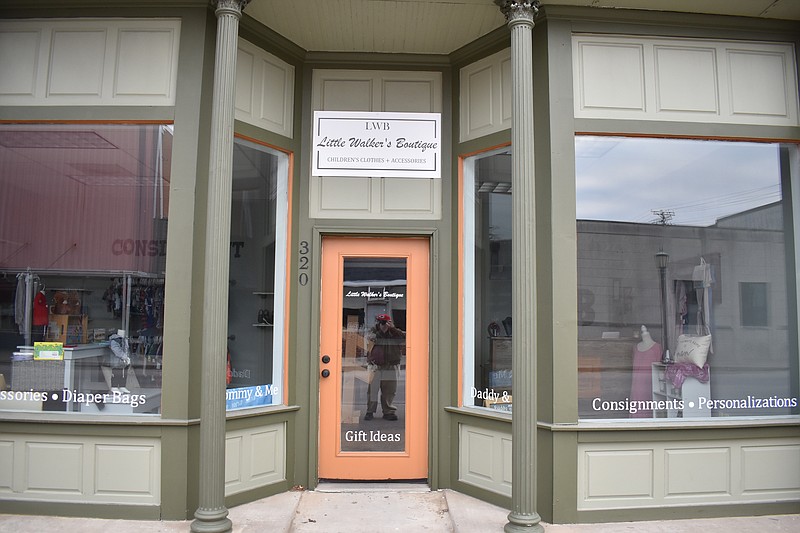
[
  {"x": 390, "y": 416},
  {"x": 368, "y": 416}
]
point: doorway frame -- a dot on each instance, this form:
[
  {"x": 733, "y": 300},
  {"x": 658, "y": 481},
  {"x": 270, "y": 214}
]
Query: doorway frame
[{"x": 311, "y": 367}]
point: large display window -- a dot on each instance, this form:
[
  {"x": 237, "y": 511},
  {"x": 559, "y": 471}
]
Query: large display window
[
  {"x": 687, "y": 293},
  {"x": 486, "y": 246},
  {"x": 259, "y": 221},
  {"x": 83, "y": 229}
]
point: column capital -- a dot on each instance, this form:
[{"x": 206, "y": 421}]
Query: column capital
[
  {"x": 229, "y": 7},
  {"x": 518, "y": 10}
]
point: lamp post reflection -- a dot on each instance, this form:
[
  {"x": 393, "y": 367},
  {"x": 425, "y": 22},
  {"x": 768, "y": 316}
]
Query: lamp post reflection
[{"x": 662, "y": 260}]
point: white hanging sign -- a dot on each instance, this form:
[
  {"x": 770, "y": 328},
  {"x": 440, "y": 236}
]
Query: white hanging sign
[{"x": 390, "y": 145}]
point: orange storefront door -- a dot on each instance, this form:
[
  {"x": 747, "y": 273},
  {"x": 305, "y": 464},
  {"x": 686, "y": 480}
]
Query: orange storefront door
[{"x": 373, "y": 384}]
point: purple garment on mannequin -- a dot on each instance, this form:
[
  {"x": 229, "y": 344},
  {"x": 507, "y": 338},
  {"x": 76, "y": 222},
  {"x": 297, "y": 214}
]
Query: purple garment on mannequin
[{"x": 642, "y": 380}]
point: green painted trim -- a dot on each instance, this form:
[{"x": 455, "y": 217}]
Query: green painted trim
[
  {"x": 686, "y": 512},
  {"x": 175, "y": 469},
  {"x": 88, "y": 510},
  {"x": 492, "y": 42},
  {"x": 377, "y": 61},
  {"x": 249, "y": 496},
  {"x": 686, "y": 130},
  {"x": 652, "y": 22}
]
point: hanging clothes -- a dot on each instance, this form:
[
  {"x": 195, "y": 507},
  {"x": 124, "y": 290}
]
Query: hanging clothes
[
  {"x": 41, "y": 314},
  {"x": 19, "y": 304}
]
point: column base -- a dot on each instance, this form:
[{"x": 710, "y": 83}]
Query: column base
[
  {"x": 211, "y": 521},
  {"x": 523, "y": 523}
]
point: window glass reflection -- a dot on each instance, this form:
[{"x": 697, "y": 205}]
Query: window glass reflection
[{"x": 684, "y": 289}]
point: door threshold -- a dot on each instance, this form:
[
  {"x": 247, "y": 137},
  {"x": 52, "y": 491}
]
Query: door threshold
[{"x": 373, "y": 486}]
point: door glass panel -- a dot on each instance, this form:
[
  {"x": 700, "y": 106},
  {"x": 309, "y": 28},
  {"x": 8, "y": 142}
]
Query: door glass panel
[{"x": 373, "y": 362}]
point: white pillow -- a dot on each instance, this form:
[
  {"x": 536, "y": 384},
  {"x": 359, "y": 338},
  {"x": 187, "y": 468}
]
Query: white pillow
[{"x": 693, "y": 349}]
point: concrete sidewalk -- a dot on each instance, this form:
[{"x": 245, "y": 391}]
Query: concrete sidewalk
[{"x": 384, "y": 508}]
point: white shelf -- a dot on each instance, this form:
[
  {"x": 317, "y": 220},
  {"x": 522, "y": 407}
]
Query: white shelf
[{"x": 689, "y": 393}]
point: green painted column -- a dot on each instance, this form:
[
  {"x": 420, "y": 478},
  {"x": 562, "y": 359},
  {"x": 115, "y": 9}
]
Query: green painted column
[
  {"x": 523, "y": 516},
  {"x": 211, "y": 515}
]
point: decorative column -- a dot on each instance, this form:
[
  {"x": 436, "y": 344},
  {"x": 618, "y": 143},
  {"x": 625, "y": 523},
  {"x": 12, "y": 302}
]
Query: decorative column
[
  {"x": 211, "y": 515},
  {"x": 523, "y": 517}
]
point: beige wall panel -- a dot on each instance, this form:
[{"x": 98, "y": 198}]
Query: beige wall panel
[
  {"x": 768, "y": 469},
  {"x": 618, "y": 473},
  {"x": 505, "y": 92},
  {"x": 758, "y": 83},
  {"x": 686, "y": 79},
  {"x": 698, "y": 471},
  {"x": 77, "y": 59},
  {"x": 478, "y": 464},
  {"x": 611, "y": 76},
  {"x": 6, "y": 466},
  {"x": 277, "y": 95},
  {"x": 243, "y": 99},
  {"x": 89, "y": 62},
  {"x": 83, "y": 469},
  {"x": 267, "y": 465},
  {"x": 347, "y": 95},
  {"x": 126, "y": 469},
  {"x": 485, "y": 459},
  {"x": 19, "y": 54},
  {"x": 346, "y": 195},
  {"x": 254, "y": 457},
  {"x": 479, "y": 110},
  {"x": 409, "y": 96},
  {"x": 507, "y": 464},
  {"x": 691, "y": 80},
  {"x": 264, "y": 90},
  {"x": 485, "y": 99},
  {"x": 408, "y": 194},
  {"x": 378, "y": 197},
  {"x": 54, "y": 467},
  {"x": 233, "y": 458},
  {"x": 144, "y": 63}
]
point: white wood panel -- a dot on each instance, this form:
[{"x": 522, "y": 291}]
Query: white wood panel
[
  {"x": 375, "y": 198},
  {"x": 692, "y": 80},
  {"x": 19, "y": 54},
  {"x": 485, "y": 94},
  {"x": 145, "y": 63},
  {"x": 254, "y": 457},
  {"x": 686, "y": 79},
  {"x": 6, "y": 466},
  {"x": 754, "y": 83},
  {"x": 54, "y": 467},
  {"x": 77, "y": 59},
  {"x": 347, "y": 95},
  {"x": 767, "y": 469},
  {"x": 89, "y": 62},
  {"x": 618, "y": 474},
  {"x": 611, "y": 76},
  {"x": 699, "y": 472},
  {"x": 264, "y": 90},
  {"x": 110, "y": 470},
  {"x": 408, "y": 195},
  {"x": 485, "y": 459},
  {"x": 657, "y": 474},
  {"x": 245, "y": 66},
  {"x": 126, "y": 469}
]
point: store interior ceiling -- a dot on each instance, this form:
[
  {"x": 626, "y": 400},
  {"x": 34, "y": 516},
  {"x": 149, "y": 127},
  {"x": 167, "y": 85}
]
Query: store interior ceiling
[{"x": 443, "y": 26}]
